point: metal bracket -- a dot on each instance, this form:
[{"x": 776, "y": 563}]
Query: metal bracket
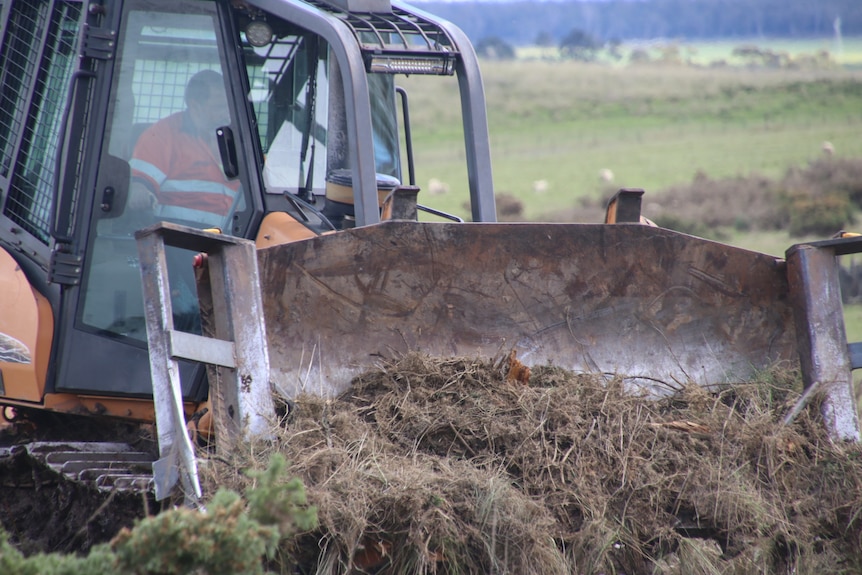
[
  {"x": 240, "y": 392},
  {"x": 401, "y": 204},
  {"x": 625, "y": 207},
  {"x": 64, "y": 267},
  {"x": 825, "y": 357},
  {"x": 99, "y": 43}
]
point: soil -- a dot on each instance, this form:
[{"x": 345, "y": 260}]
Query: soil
[{"x": 43, "y": 511}]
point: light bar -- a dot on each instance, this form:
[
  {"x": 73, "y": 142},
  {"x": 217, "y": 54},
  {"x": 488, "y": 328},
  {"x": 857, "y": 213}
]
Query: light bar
[{"x": 442, "y": 64}]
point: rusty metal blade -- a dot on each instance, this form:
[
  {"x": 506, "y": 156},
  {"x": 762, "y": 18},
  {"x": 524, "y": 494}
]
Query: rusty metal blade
[{"x": 655, "y": 306}]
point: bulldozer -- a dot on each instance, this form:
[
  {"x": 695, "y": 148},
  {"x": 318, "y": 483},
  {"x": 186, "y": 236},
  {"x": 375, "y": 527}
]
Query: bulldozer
[{"x": 341, "y": 262}]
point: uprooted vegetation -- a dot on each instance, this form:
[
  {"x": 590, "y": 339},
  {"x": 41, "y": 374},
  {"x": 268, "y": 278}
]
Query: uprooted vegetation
[
  {"x": 451, "y": 466},
  {"x": 444, "y": 466}
]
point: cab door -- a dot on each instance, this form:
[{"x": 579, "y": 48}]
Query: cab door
[
  {"x": 38, "y": 67},
  {"x": 153, "y": 122}
]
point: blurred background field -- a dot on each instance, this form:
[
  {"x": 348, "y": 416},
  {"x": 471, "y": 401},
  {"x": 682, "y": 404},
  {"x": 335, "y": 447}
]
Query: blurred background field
[
  {"x": 565, "y": 133},
  {"x": 845, "y": 52}
]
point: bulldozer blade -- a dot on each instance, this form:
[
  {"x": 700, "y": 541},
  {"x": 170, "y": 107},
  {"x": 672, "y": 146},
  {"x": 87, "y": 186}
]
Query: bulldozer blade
[{"x": 656, "y": 307}]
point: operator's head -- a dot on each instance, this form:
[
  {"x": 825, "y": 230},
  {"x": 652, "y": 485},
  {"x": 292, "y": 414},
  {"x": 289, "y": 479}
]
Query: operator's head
[{"x": 206, "y": 101}]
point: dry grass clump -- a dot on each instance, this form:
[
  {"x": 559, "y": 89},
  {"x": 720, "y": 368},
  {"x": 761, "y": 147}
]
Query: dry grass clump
[{"x": 443, "y": 466}]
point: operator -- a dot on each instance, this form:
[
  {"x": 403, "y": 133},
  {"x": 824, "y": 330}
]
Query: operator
[{"x": 176, "y": 167}]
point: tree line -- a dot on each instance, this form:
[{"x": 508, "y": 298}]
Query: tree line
[{"x": 522, "y": 22}]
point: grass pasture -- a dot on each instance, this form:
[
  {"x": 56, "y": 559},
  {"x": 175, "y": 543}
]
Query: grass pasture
[
  {"x": 653, "y": 126},
  {"x": 846, "y": 52}
]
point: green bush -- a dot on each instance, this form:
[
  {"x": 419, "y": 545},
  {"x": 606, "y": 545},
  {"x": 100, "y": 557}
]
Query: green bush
[
  {"x": 223, "y": 541},
  {"x": 822, "y": 214},
  {"x": 829, "y": 175},
  {"x": 495, "y": 48},
  {"x": 232, "y": 537},
  {"x": 100, "y": 561},
  {"x": 683, "y": 225}
]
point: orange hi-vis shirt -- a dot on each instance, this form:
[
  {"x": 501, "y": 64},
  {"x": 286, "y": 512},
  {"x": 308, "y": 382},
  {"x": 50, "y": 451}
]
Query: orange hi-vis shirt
[{"x": 183, "y": 172}]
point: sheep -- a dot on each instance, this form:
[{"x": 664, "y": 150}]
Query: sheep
[
  {"x": 540, "y": 186},
  {"x": 828, "y": 148},
  {"x": 606, "y": 175},
  {"x": 436, "y": 187}
]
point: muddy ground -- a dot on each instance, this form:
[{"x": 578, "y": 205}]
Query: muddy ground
[{"x": 43, "y": 511}]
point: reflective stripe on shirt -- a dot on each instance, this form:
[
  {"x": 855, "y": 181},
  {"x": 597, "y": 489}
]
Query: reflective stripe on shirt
[
  {"x": 182, "y": 170},
  {"x": 197, "y": 187},
  {"x": 192, "y": 215},
  {"x": 148, "y": 170}
]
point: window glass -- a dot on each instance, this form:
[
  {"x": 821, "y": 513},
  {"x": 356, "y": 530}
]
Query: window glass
[
  {"x": 289, "y": 80},
  {"x": 300, "y": 114},
  {"x": 168, "y": 101},
  {"x": 381, "y": 88}
]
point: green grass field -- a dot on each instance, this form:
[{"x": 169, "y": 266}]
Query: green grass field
[
  {"x": 653, "y": 126},
  {"x": 847, "y": 52}
]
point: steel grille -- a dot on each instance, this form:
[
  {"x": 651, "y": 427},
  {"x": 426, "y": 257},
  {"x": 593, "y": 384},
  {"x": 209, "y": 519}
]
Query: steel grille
[
  {"x": 160, "y": 88},
  {"x": 398, "y": 31},
  {"x": 165, "y": 61},
  {"x": 23, "y": 32},
  {"x": 32, "y": 181}
]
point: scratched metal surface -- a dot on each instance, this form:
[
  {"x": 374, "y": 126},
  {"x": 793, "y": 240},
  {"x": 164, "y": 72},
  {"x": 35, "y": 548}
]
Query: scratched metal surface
[{"x": 657, "y": 307}]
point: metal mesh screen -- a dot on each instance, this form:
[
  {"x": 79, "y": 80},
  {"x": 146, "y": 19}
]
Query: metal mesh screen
[
  {"x": 160, "y": 89},
  {"x": 164, "y": 60},
  {"x": 267, "y": 67},
  {"x": 36, "y": 106},
  {"x": 23, "y": 32},
  {"x": 399, "y": 30}
]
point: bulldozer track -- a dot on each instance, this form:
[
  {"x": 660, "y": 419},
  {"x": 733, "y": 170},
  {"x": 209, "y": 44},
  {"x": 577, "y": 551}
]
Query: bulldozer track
[
  {"x": 103, "y": 466},
  {"x": 70, "y": 495}
]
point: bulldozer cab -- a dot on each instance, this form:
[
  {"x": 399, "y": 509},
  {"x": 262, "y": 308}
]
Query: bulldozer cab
[
  {"x": 160, "y": 160},
  {"x": 211, "y": 114}
]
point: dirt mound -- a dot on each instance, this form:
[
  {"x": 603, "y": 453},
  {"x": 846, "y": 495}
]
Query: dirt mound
[{"x": 444, "y": 466}]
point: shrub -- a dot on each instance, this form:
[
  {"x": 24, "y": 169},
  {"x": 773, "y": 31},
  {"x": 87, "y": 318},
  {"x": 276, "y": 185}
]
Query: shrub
[
  {"x": 639, "y": 56},
  {"x": 232, "y": 537},
  {"x": 579, "y": 45},
  {"x": 100, "y": 561},
  {"x": 223, "y": 541},
  {"x": 738, "y": 203},
  {"x": 829, "y": 174},
  {"x": 509, "y": 207},
  {"x": 679, "y": 224},
  {"x": 495, "y": 48},
  {"x": 821, "y": 214},
  {"x": 818, "y": 199}
]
